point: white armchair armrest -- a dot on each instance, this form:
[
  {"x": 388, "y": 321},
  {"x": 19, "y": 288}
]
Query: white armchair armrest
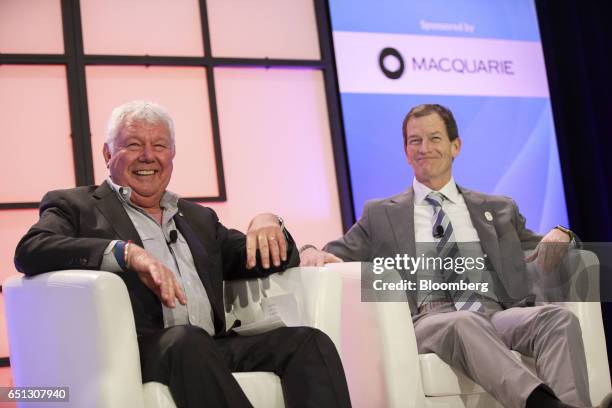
[
  {"x": 318, "y": 294},
  {"x": 74, "y": 329}
]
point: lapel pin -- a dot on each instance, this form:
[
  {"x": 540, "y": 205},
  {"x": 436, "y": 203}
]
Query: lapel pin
[
  {"x": 488, "y": 216},
  {"x": 180, "y": 214}
]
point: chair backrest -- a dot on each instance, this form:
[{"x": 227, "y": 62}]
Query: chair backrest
[{"x": 379, "y": 349}]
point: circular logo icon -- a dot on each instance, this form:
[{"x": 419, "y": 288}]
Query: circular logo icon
[{"x": 387, "y": 59}]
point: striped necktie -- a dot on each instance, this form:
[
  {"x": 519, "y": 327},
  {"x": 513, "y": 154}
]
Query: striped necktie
[{"x": 446, "y": 246}]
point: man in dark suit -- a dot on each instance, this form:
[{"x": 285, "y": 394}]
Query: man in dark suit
[
  {"x": 469, "y": 331},
  {"x": 173, "y": 256}
]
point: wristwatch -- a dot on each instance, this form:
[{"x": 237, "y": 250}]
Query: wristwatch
[
  {"x": 281, "y": 223},
  {"x": 307, "y": 246},
  {"x": 566, "y": 230}
]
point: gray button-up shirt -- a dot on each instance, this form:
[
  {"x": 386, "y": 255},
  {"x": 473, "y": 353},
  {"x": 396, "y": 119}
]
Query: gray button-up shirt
[{"x": 174, "y": 255}]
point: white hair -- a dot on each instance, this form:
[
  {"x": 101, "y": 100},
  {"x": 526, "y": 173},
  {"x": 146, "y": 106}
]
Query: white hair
[{"x": 143, "y": 111}]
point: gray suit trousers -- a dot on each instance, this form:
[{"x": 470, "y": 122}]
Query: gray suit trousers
[{"x": 479, "y": 345}]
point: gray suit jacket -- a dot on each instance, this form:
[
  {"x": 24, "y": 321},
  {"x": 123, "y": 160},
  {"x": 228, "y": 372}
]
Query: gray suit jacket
[{"x": 386, "y": 228}]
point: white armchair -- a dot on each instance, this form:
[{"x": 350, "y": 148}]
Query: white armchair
[
  {"x": 384, "y": 368},
  {"x": 61, "y": 333},
  {"x": 75, "y": 328}
]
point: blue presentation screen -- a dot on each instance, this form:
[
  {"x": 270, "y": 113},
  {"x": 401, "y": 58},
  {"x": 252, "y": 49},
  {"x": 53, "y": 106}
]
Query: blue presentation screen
[{"x": 483, "y": 60}]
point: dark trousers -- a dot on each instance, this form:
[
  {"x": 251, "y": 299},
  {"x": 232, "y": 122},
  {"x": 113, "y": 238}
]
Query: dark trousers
[{"x": 198, "y": 368}]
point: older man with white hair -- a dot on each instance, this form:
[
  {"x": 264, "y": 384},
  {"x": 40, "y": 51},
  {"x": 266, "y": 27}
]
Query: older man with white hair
[{"x": 173, "y": 256}]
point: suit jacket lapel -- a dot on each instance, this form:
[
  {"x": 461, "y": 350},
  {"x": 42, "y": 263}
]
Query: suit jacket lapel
[
  {"x": 477, "y": 206},
  {"x": 112, "y": 209},
  {"x": 202, "y": 263},
  {"x": 401, "y": 217}
]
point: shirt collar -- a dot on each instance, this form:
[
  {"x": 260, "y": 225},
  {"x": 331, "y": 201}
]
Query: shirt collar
[
  {"x": 168, "y": 201},
  {"x": 450, "y": 191}
]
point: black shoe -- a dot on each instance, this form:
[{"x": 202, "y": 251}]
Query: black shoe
[
  {"x": 543, "y": 397},
  {"x": 606, "y": 402}
]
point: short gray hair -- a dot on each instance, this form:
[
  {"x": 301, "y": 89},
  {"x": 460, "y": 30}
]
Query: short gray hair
[{"x": 142, "y": 111}]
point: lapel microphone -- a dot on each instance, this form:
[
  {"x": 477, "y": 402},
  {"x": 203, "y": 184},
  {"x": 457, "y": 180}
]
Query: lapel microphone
[
  {"x": 438, "y": 233},
  {"x": 173, "y": 237}
]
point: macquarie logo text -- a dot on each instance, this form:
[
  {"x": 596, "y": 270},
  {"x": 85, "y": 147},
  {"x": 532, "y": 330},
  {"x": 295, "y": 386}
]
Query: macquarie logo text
[
  {"x": 392, "y": 64},
  {"x": 437, "y": 65}
]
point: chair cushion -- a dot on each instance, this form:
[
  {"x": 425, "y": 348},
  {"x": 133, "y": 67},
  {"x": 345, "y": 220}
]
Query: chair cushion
[
  {"x": 440, "y": 379},
  {"x": 157, "y": 395},
  {"x": 262, "y": 389}
]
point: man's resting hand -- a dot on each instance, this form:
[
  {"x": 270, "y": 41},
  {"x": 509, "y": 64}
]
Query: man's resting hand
[
  {"x": 550, "y": 250},
  {"x": 311, "y": 256},
  {"x": 156, "y": 276},
  {"x": 265, "y": 233}
]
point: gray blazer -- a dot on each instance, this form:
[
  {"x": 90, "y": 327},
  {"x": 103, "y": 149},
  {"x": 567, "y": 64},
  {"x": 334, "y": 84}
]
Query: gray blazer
[{"x": 386, "y": 228}]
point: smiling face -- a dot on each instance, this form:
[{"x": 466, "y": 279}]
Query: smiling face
[
  {"x": 429, "y": 150},
  {"x": 141, "y": 159}
]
